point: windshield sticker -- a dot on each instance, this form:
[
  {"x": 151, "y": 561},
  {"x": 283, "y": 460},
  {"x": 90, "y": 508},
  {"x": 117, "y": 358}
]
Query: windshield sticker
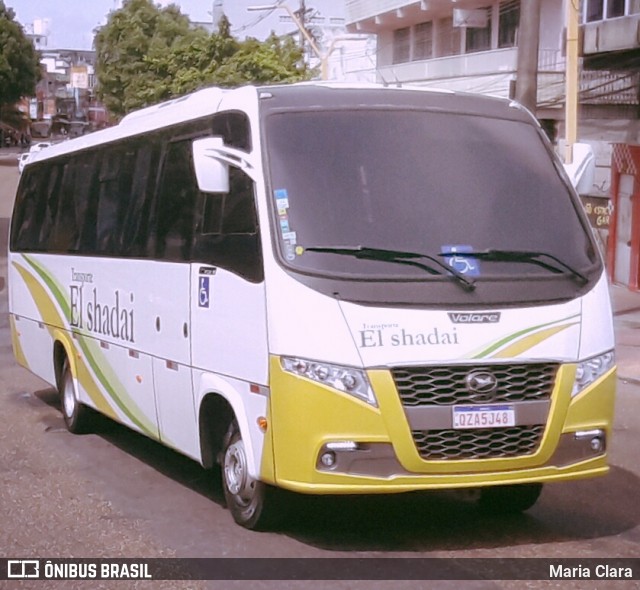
[
  {"x": 289, "y": 237},
  {"x": 466, "y": 265},
  {"x": 282, "y": 198}
]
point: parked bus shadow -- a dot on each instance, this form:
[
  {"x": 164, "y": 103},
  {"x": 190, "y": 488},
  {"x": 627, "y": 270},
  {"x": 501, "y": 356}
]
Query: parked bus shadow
[
  {"x": 426, "y": 521},
  {"x": 159, "y": 457}
]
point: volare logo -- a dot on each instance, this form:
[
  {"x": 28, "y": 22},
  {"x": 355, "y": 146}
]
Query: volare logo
[{"x": 474, "y": 318}]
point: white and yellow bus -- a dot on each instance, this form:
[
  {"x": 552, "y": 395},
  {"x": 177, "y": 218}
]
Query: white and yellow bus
[{"x": 326, "y": 289}]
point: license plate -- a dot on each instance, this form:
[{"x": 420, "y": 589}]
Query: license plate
[{"x": 493, "y": 416}]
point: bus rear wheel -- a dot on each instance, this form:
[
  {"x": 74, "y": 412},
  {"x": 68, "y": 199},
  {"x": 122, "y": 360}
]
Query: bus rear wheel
[
  {"x": 252, "y": 503},
  {"x": 510, "y": 499},
  {"x": 76, "y": 415}
]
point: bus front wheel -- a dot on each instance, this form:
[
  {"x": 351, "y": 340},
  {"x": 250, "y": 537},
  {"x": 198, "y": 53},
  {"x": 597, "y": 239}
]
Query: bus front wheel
[
  {"x": 251, "y": 502},
  {"x": 76, "y": 415}
]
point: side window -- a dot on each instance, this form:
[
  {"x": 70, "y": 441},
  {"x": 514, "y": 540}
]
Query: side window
[
  {"x": 64, "y": 233},
  {"x": 228, "y": 234},
  {"x": 74, "y": 223},
  {"x": 239, "y": 210},
  {"x": 51, "y": 192},
  {"x": 232, "y": 213},
  {"x": 234, "y": 128},
  {"x": 29, "y": 210},
  {"x": 86, "y": 200},
  {"x": 172, "y": 236},
  {"x": 136, "y": 226},
  {"x": 114, "y": 194}
]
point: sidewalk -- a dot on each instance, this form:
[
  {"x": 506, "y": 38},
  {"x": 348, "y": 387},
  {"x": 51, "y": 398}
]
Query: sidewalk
[{"x": 626, "y": 321}]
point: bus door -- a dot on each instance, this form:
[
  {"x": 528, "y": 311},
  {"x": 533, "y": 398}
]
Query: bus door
[
  {"x": 170, "y": 302},
  {"x": 228, "y": 301}
]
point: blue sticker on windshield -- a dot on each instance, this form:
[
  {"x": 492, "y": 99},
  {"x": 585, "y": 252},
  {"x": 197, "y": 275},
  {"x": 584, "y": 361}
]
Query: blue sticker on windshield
[{"x": 456, "y": 259}]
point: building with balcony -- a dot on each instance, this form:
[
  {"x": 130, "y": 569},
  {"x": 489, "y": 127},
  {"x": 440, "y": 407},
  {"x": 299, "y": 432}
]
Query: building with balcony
[{"x": 472, "y": 45}]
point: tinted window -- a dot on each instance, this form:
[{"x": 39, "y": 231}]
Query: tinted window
[
  {"x": 228, "y": 229},
  {"x": 417, "y": 182},
  {"x": 135, "y": 225},
  {"x": 173, "y": 228}
]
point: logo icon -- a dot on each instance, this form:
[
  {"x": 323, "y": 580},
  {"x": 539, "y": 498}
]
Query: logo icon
[
  {"x": 483, "y": 383},
  {"x": 23, "y": 568}
]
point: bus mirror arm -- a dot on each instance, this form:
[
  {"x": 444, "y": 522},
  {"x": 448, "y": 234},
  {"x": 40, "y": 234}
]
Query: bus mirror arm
[{"x": 212, "y": 159}]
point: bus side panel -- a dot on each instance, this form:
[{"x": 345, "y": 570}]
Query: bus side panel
[
  {"x": 89, "y": 308},
  {"x": 34, "y": 316},
  {"x": 229, "y": 348}
]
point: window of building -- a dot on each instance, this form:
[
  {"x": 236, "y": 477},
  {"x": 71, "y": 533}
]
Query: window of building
[
  {"x": 596, "y": 10},
  {"x": 508, "y": 22},
  {"x": 634, "y": 6},
  {"x": 479, "y": 38},
  {"x": 423, "y": 41},
  {"x": 447, "y": 38},
  {"x": 401, "y": 45},
  {"x": 615, "y": 8}
]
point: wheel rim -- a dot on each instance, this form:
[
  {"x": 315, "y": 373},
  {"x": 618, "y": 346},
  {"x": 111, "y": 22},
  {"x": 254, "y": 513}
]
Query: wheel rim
[
  {"x": 68, "y": 397},
  {"x": 236, "y": 475}
]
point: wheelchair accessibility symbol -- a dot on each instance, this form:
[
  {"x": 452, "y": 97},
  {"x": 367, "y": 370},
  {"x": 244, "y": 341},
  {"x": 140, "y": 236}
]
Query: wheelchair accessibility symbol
[
  {"x": 456, "y": 259},
  {"x": 203, "y": 292}
]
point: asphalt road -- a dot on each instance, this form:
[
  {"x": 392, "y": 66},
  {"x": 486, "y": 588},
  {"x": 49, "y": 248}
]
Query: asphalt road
[{"x": 114, "y": 493}]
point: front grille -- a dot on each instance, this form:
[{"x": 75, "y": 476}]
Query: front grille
[
  {"x": 481, "y": 443},
  {"x": 446, "y": 386}
]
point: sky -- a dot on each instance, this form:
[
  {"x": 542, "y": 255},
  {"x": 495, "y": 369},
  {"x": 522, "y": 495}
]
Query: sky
[{"x": 72, "y": 21}]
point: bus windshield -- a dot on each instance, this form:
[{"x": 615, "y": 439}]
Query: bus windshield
[{"x": 420, "y": 182}]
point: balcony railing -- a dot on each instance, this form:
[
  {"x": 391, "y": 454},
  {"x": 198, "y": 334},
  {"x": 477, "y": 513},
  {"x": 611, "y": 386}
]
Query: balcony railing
[{"x": 491, "y": 72}]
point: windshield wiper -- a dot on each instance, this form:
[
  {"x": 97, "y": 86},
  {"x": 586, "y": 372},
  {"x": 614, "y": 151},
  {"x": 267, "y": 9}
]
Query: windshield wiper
[
  {"x": 526, "y": 256},
  {"x": 399, "y": 257}
]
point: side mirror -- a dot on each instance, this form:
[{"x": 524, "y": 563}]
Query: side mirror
[
  {"x": 583, "y": 168},
  {"x": 212, "y": 174}
]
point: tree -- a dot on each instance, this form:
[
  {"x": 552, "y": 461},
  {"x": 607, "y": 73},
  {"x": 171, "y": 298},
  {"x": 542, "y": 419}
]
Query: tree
[
  {"x": 274, "y": 60},
  {"x": 19, "y": 61},
  {"x": 147, "y": 54},
  {"x": 138, "y": 30}
]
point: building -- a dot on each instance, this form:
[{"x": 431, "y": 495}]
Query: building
[{"x": 472, "y": 45}]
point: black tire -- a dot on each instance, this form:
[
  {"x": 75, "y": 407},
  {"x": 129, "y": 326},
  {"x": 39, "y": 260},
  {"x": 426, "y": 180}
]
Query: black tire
[
  {"x": 252, "y": 503},
  {"x": 509, "y": 499},
  {"x": 77, "y": 416}
]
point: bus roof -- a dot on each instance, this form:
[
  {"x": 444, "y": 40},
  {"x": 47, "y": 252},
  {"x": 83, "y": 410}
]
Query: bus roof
[{"x": 206, "y": 102}]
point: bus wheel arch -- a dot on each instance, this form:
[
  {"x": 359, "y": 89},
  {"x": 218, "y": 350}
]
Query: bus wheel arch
[
  {"x": 251, "y": 502},
  {"x": 77, "y": 416},
  {"x": 215, "y": 416}
]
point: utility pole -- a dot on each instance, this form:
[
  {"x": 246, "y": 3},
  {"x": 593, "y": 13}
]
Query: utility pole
[
  {"x": 528, "y": 42},
  {"x": 571, "y": 90},
  {"x": 302, "y": 17},
  {"x": 303, "y": 30}
]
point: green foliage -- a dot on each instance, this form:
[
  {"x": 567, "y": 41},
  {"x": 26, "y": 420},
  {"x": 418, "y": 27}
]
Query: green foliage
[
  {"x": 147, "y": 54},
  {"x": 19, "y": 61}
]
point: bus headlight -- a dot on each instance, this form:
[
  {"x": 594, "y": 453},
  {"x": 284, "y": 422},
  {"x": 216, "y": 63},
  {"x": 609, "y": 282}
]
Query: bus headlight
[
  {"x": 345, "y": 379},
  {"x": 591, "y": 369}
]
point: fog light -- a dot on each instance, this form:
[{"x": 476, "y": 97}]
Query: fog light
[
  {"x": 328, "y": 459},
  {"x": 595, "y": 438},
  {"x": 596, "y": 444}
]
